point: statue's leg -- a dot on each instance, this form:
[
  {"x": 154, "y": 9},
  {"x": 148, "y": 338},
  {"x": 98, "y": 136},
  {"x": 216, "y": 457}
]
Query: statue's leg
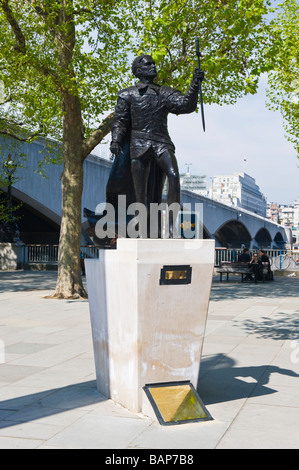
[
  {"x": 140, "y": 171},
  {"x": 140, "y": 168},
  {"x": 168, "y": 164}
]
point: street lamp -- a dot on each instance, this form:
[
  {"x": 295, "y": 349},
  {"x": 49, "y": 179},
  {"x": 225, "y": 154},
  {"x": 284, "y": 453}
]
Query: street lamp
[
  {"x": 9, "y": 167},
  {"x": 188, "y": 167}
]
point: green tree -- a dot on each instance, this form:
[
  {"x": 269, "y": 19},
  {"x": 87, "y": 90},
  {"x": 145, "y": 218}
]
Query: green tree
[
  {"x": 284, "y": 78},
  {"x": 63, "y": 61},
  {"x": 61, "y": 64},
  {"x": 233, "y": 37}
]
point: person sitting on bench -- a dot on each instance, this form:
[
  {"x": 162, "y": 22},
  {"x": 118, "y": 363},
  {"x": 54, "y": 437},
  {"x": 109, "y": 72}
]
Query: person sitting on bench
[
  {"x": 256, "y": 267},
  {"x": 265, "y": 259},
  {"x": 245, "y": 258}
]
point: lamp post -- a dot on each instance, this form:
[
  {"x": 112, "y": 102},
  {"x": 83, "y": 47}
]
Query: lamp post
[
  {"x": 9, "y": 167},
  {"x": 188, "y": 167}
]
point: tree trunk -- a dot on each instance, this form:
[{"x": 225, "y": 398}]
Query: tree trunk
[{"x": 69, "y": 281}]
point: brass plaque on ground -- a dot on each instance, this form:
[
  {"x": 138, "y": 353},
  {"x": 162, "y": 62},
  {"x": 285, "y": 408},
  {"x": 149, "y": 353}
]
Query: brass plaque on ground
[{"x": 176, "y": 403}]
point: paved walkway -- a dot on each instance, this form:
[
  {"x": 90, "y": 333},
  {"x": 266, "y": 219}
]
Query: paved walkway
[{"x": 249, "y": 377}]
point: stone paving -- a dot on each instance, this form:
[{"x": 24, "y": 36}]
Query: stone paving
[{"x": 249, "y": 378}]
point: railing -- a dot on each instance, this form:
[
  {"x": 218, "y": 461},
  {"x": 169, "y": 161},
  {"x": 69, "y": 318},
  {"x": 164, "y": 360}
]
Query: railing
[
  {"x": 231, "y": 254},
  {"x": 41, "y": 253},
  {"x": 49, "y": 253}
]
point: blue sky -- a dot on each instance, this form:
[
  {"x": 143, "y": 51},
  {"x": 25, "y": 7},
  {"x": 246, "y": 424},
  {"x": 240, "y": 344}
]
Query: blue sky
[{"x": 247, "y": 130}]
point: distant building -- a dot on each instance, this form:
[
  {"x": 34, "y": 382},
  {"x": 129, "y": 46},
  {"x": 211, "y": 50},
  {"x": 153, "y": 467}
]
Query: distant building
[
  {"x": 240, "y": 190},
  {"x": 296, "y": 214},
  {"x": 273, "y": 211},
  {"x": 296, "y": 221},
  {"x": 287, "y": 215},
  {"x": 195, "y": 183}
]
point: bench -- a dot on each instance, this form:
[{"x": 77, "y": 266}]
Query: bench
[{"x": 236, "y": 267}]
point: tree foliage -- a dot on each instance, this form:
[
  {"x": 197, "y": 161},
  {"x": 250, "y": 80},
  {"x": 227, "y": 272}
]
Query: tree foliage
[
  {"x": 284, "y": 79},
  {"x": 63, "y": 61},
  {"x": 61, "y": 64},
  {"x": 35, "y": 74},
  {"x": 232, "y": 39},
  {"x": 232, "y": 36}
]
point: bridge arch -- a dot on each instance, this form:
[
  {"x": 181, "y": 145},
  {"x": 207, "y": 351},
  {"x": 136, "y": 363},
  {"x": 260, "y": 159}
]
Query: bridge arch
[
  {"x": 233, "y": 234},
  {"x": 278, "y": 241},
  {"x": 263, "y": 238},
  {"x": 36, "y": 223},
  {"x": 206, "y": 233}
]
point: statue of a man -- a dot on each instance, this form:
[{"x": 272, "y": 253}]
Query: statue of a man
[{"x": 141, "y": 116}]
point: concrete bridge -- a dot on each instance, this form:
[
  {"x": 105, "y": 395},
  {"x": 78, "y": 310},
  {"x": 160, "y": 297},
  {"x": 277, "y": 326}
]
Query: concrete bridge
[
  {"x": 233, "y": 227},
  {"x": 41, "y": 208}
]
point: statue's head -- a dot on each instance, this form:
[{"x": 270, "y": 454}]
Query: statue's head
[{"x": 144, "y": 66}]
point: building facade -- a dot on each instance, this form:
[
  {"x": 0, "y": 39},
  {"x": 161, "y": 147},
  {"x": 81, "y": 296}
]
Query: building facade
[
  {"x": 273, "y": 211},
  {"x": 286, "y": 215},
  {"x": 296, "y": 221},
  {"x": 239, "y": 190},
  {"x": 195, "y": 183}
]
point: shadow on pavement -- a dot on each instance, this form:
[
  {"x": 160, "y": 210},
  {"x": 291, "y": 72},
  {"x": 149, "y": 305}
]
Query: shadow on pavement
[
  {"x": 235, "y": 289},
  {"x": 14, "y": 281},
  {"x": 48, "y": 403},
  {"x": 280, "y": 326},
  {"x": 220, "y": 381}
]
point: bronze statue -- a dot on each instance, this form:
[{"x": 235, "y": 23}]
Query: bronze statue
[{"x": 144, "y": 152}]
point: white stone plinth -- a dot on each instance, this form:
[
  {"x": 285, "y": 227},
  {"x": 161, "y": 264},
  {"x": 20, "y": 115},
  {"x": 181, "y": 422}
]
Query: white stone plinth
[{"x": 144, "y": 332}]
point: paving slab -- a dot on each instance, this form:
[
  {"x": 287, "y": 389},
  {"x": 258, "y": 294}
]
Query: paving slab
[{"x": 249, "y": 375}]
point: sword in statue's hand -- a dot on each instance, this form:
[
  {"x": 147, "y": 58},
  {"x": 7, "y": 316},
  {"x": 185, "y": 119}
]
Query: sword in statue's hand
[{"x": 199, "y": 82}]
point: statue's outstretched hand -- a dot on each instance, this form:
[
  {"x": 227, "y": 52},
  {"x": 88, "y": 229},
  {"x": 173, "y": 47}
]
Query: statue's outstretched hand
[
  {"x": 115, "y": 149},
  {"x": 198, "y": 74}
]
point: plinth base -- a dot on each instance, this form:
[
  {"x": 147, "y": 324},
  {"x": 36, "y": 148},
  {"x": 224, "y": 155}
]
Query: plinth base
[{"x": 148, "y": 305}]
